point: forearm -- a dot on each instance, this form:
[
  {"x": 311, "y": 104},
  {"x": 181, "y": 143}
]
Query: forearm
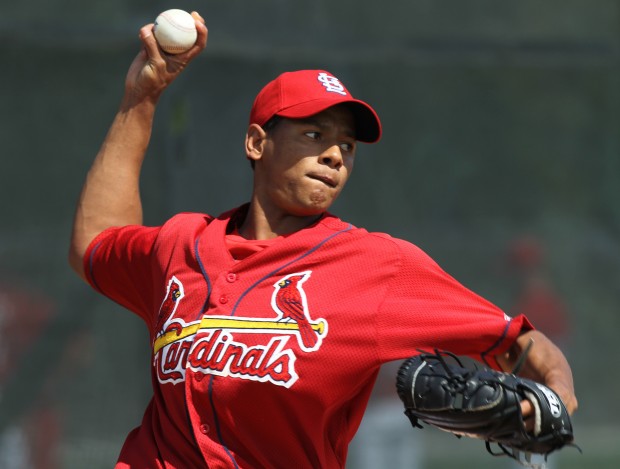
[
  {"x": 111, "y": 194},
  {"x": 544, "y": 363}
]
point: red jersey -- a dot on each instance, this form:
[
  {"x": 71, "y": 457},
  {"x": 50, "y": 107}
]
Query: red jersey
[{"x": 269, "y": 361}]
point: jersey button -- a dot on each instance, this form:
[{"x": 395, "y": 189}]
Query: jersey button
[
  {"x": 204, "y": 428},
  {"x": 223, "y": 299},
  {"x": 199, "y": 376},
  {"x": 231, "y": 277}
]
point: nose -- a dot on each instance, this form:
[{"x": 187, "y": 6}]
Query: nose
[{"x": 332, "y": 157}]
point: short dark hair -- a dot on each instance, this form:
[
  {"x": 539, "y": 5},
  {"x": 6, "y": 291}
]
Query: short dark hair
[{"x": 271, "y": 123}]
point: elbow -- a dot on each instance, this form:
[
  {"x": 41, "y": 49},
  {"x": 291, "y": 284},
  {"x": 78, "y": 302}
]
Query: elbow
[
  {"x": 75, "y": 262},
  {"x": 76, "y": 259}
]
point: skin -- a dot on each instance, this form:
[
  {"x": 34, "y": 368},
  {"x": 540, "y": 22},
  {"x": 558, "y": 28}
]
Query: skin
[
  {"x": 545, "y": 363},
  {"x": 300, "y": 168},
  {"x": 110, "y": 195}
]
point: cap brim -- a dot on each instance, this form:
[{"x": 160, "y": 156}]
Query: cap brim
[{"x": 367, "y": 123}]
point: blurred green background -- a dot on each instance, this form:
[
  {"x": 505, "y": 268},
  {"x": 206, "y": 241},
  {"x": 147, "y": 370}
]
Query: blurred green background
[{"x": 500, "y": 158}]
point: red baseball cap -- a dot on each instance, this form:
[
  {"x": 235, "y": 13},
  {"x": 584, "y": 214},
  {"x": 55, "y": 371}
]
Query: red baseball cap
[{"x": 307, "y": 92}]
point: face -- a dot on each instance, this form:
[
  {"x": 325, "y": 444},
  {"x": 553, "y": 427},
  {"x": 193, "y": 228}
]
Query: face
[{"x": 305, "y": 163}]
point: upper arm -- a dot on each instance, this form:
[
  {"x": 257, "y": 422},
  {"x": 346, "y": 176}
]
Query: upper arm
[
  {"x": 426, "y": 308},
  {"x": 77, "y": 250},
  {"x": 121, "y": 263}
]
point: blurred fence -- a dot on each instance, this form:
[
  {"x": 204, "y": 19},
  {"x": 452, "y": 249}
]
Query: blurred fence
[{"x": 500, "y": 158}]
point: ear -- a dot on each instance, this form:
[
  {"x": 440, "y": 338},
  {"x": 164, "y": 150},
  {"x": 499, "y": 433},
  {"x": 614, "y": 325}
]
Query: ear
[{"x": 255, "y": 140}]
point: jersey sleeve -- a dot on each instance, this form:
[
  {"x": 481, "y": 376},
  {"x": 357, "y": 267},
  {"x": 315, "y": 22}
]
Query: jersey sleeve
[
  {"x": 426, "y": 309},
  {"x": 119, "y": 264}
]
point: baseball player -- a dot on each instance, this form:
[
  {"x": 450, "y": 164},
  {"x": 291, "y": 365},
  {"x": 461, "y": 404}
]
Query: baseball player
[{"x": 269, "y": 322}]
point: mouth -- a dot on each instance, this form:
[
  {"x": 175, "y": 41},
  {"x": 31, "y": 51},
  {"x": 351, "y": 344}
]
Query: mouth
[{"x": 325, "y": 179}]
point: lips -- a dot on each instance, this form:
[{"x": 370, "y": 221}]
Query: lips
[{"x": 325, "y": 179}]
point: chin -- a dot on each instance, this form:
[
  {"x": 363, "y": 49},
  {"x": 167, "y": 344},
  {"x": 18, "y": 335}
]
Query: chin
[
  {"x": 314, "y": 204},
  {"x": 310, "y": 210},
  {"x": 323, "y": 206}
]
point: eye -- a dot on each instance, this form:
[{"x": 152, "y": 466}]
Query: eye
[
  {"x": 313, "y": 135},
  {"x": 347, "y": 147}
]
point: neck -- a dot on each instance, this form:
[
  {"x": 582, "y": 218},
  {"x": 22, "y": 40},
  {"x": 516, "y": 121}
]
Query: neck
[{"x": 263, "y": 224}]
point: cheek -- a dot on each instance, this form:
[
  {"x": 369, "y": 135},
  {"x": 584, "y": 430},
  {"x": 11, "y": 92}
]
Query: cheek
[
  {"x": 350, "y": 167},
  {"x": 346, "y": 170}
]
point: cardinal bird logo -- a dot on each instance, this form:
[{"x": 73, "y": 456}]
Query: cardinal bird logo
[
  {"x": 289, "y": 301},
  {"x": 174, "y": 295}
]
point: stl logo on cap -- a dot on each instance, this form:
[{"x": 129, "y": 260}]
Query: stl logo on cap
[
  {"x": 332, "y": 84},
  {"x": 304, "y": 93}
]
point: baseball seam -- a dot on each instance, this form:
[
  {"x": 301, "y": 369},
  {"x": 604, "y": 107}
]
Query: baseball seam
[{"x": 177, "y": 25}]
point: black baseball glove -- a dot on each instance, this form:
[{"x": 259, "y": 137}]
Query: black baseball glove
[{"x": 482, "y": 403}]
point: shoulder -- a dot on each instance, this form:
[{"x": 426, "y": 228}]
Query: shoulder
[
  {"x": 180, "y": 232},
  {"x": 381, "y": 241},
  {"x": 187, "y": 219},
  {"x": 199, "y": 219},
  {"x": 406, "y": 248},
  {"x": 185, "y": 224},
  {"x": 186, "y": 227},
  {"x": 380, "y": 244}
]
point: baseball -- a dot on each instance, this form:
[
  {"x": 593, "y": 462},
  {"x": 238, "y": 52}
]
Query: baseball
[{"x": 175, "y": 31}]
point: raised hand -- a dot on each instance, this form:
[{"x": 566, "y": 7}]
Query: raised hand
[{"x": 153, "y": 70}]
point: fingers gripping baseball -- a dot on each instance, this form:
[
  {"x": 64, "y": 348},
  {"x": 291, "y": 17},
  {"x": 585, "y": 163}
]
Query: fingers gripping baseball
[{"x": 153, "y": 70}]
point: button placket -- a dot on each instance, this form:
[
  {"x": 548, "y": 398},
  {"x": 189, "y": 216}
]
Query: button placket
[{"x": 225, "y": 279}]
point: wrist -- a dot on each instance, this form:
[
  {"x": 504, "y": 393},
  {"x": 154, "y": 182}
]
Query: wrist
[{"x": 141, "y": 103}]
